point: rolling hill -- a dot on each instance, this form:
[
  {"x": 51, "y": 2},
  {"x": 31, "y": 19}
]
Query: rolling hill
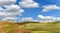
[{"x": 29, "y": 27}]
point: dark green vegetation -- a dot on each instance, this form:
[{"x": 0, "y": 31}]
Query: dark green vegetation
[{"x": 29, "y": 27}]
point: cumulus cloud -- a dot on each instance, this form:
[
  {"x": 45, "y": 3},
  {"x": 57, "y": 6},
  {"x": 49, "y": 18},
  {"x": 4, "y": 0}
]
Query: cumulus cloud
[
  {"x": 48, "y": 8},
  {"x": 7, "y": 2},
  {"x": 10, "y": 19},
  {"x": 28, "y": 4},
  {"x": 48, "y": 18},
  {"x": 11, "y": 12},
  {"x": 14, "y": 9},
  {"x": 28, "y": 19}
]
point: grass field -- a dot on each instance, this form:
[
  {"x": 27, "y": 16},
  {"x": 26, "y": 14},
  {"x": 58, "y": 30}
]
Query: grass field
[{"x": 29, "y": 27}]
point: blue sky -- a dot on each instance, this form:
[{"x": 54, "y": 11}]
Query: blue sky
[
  {"x": 33, "y": 12},
  {"x": 32, "y": 9}
]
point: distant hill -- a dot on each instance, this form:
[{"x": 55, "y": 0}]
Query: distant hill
[{"x": 29, "y": 27}]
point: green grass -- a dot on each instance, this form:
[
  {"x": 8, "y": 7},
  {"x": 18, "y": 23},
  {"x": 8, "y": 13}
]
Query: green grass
[
  {"x": 50, "y": 27},
  {"x": 53, "y": 27}
]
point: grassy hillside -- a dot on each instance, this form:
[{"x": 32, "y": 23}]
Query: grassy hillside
[{"x": 29, "y": 27}]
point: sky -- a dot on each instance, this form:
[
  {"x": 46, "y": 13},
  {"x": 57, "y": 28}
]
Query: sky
[{"x": 30, "y": 10}]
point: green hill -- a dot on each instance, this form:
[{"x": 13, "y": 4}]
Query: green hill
[{"x": 29, "y": 27}]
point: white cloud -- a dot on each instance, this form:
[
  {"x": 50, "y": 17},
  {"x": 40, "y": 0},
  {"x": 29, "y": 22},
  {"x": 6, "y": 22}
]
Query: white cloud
[
  {"x": 41, "y": 18},
  {"x": 28, "y": 4},
  {"x": 28, "y": 19},
  {"x": 11, "y": 12},
  {"x": 48, "y": 18},
  {"x": 7, "y": 2},
  {"x": 1, "y": 9},
  {"x": 48, "y": 8},
  {"x": 14, "y": 9},
  {"x": 10, "y": 19}
]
